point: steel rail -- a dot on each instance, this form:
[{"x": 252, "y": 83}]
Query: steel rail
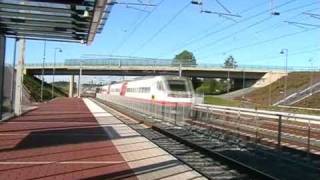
[{"x": 252, "y": 172}]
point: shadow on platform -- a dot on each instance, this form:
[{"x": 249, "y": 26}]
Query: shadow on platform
[
  {"x": 65, "y": 136},
  {"x": 139, "y": 170}
]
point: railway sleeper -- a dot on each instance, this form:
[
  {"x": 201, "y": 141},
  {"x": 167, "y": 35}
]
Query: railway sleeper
[{"x": 264, "y": 154}]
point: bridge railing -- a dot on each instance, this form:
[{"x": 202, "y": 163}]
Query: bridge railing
[{"x": 159, "y": 63}]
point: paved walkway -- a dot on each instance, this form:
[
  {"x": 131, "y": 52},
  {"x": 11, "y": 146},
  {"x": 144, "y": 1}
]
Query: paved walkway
[{"x": 75, "y": 139}]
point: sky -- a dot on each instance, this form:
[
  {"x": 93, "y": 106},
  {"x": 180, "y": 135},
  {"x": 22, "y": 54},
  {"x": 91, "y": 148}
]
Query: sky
[{"x": 255, "y": 38}]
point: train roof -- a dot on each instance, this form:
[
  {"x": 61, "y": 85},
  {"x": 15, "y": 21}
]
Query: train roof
[{"x": 142, "y": 78}]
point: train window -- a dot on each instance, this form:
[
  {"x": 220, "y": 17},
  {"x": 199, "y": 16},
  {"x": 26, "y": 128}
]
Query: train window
[{"x": 177, "y": 85}]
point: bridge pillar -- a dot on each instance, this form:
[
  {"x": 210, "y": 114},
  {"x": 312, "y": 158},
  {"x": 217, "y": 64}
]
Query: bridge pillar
[
  {"x": 19, "y": 77},
  {"x": 71, "y": 83}
]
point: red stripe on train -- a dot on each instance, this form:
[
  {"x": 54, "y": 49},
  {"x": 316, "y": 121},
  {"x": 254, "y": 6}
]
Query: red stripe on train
[{"x": 163, "y": 103}]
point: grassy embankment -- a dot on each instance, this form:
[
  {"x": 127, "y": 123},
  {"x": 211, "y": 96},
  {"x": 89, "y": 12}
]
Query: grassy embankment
[
  {"x": 311, "y": 101},
  {"x": 296, "y": 81},
  {"x": 236, "y": 103},
  {"x": 260, "y": 98},
  {"x": 33, "y": 84}
]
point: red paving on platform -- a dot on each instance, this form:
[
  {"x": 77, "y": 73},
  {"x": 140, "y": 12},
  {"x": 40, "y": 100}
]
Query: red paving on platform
[{"x": 59, "y": 140}]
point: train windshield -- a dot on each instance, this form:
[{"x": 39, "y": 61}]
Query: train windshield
[
  {"x": 179, "y": 88},
  {"x": 177, "y": 85}
]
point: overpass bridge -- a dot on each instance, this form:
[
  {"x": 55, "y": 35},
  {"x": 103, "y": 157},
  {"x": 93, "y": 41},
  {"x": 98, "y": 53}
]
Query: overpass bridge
[
  {"x": 240, "y": 77},
  {"x": 145, "y": 67}
]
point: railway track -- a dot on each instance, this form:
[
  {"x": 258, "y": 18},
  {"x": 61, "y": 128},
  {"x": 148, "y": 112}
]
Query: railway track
[
  {"x": 213, "y": 154},
  {"x": 199, "y": 161},
  {"x": 294, "y": 134}
]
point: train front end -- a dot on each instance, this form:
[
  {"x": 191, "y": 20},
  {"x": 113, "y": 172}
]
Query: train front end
[
  {"x": 179, "y": 97},
  {"x": 179, "y": 90}
]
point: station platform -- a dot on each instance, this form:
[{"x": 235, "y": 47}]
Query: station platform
[{"x": 76, "y": 139}]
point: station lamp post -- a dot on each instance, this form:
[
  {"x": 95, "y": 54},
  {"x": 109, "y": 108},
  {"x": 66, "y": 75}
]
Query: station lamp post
[
  {"x": 285, "y": 51},
  {"x": 42, "y": 69},
  {"x": 311, "y": 74},
  {"x": 79, "y": 80},
  {"x": 54, "y": 69}
]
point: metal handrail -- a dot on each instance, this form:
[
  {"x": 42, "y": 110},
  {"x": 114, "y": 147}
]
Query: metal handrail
[
  {"x": 140, "y": 63},
  {"x": 260, "y": 113}
]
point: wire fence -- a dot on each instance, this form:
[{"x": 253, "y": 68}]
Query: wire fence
[{"x": 281, "y": 129}]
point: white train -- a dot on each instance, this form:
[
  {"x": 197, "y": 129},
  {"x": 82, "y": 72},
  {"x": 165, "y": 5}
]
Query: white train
[{"x": 158, "y": 95}]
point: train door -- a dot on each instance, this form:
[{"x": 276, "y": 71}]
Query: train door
[{"x": 123, "y": 89}]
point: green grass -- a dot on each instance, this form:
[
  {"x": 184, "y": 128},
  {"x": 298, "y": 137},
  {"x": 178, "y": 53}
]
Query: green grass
[
  {"x": 311, "y": 101},
  {"x": 220, "y": 101},
  {"x": 34, "y": 86},
  {"x": 235, "y": 103},
  {"x": 295, "y": 81}
]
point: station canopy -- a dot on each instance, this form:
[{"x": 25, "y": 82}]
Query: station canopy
[{"x": 57, "y": 20}]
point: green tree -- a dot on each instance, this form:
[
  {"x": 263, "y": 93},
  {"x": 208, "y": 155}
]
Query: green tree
[
  {"x": 185, "y": 58},
  {"x": 211, "y": 87},
  {"x": 230, "y": 62}
]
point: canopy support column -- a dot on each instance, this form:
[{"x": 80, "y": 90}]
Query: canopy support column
[
  {"x": 19, "y": 77},
  {"x": 71, "y": 86},
  {"x": 2, "y": 66}
]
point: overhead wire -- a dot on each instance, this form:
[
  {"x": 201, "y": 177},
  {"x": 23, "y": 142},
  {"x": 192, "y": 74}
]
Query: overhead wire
[
  {"x": 136, "y": 27},
  {"x": 274, "y": 26},
  {"x": 278, "y": 25},
  {"x": 291, "y": 54},
  {"x": 232, "y": 25},
  {"x": 137, "y": 9},
  {"x": 116, "y": 48},
  {"x": 303, "y": 24},
  {"x": 206, "y": 32},
  {"x": 210, "y": 44},
  {"x": 162, "y": 28},
  {"x": 270, "y": 40},
  {"x": 223, "y": 7}
]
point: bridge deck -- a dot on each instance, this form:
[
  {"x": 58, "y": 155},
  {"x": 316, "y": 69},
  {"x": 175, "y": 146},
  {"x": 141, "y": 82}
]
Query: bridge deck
[{"x": 73, "y": 139}]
